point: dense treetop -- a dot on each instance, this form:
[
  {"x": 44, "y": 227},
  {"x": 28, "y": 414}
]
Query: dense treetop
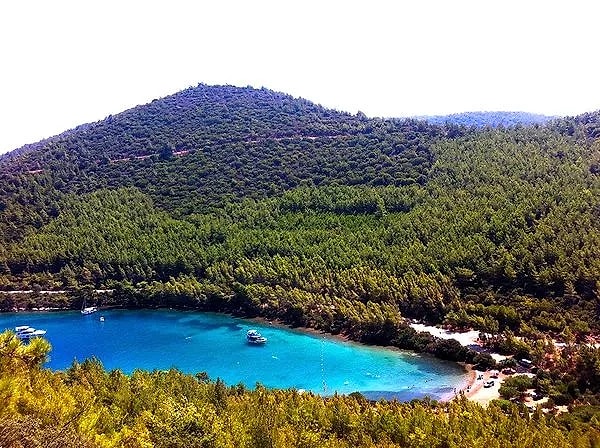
[{"x": 86, "y": 406}]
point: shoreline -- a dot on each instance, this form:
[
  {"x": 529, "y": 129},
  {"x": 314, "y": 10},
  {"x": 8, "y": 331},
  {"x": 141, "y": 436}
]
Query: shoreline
[
  {"x": 473, "y": 389},
  {"x": 484, "y": 395},
  {"x": 469, "y": 375},
  {"x": 467, "y": 368}
]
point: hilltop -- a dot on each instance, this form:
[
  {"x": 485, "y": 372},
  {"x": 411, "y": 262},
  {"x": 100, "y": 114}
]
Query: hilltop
[{"x": 205, "y": 146}]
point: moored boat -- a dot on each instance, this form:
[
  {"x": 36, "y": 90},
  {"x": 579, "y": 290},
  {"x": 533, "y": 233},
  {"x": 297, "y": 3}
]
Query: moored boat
[
  {"x": 254, "y": 337},
  {"x": 27, "y": 332},
  {"x": 89, "y": 310}
]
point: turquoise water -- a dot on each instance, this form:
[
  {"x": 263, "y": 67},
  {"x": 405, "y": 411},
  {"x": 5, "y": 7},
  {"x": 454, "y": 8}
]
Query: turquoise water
[{"x": 215, "y": 343}]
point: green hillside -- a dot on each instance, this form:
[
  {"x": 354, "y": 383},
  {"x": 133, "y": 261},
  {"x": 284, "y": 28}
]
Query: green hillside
[
  {"x": 207, "y": 146},
  {"x": 313, "y": 202},
  {"x": 253, "y": 202}
]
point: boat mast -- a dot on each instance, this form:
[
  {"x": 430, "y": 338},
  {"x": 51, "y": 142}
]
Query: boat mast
[{"x": 323, "y": 365}]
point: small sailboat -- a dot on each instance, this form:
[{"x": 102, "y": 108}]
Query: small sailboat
[{"x": 85, "y": 310}]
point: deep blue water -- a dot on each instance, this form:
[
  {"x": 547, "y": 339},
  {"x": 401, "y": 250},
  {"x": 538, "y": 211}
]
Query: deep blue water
[{"x": 215, "y": 343}]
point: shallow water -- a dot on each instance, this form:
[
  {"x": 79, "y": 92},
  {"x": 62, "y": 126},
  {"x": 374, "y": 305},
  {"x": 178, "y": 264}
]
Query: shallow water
[{"x": 215, "y": 343}]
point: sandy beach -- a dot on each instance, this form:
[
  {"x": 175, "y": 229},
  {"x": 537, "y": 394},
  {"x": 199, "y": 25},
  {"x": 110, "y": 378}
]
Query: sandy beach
[
  {"x": 474, "y": 390},
  {"x": 467, "y": 338},
  {"x": 483, "y": 395}
]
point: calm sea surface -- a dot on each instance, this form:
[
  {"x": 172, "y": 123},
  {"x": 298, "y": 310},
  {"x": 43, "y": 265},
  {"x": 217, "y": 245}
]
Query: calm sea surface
[{"x": 215, "y": 343}]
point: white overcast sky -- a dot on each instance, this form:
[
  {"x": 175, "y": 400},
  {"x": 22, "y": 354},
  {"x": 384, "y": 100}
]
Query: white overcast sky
[{"x": 65, "y": 63}]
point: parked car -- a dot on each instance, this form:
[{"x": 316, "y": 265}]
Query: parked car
[
  {"x": 489, "y": 383},
  {"x": 526, "y": 363}
]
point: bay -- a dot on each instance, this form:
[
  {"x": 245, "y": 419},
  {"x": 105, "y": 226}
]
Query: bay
[{"x": 214, "y": 343}]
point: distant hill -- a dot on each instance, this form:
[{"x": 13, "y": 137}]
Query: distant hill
[{"x": 485, "y": 119}]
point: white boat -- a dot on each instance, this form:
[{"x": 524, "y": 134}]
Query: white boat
[
  {"x": 27, "y": 332},
  {"x": 89, "y": 310},
  {"x": 254, "y": 337}
]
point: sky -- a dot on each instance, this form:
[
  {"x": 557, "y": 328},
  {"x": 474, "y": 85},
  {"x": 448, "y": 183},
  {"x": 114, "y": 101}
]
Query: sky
[{"x": 64, "y": 63}]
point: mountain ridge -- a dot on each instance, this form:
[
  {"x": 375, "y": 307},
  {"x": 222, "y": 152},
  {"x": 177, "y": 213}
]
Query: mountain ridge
[
  {"x": 232, "y": 127},
  {"x": 177, "y": 97},
  {"x": 467, "y": 118},
  {"x": 489, "y": 118}
]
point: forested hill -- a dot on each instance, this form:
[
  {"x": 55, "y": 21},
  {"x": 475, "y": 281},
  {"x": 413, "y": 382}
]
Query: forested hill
[
  {"x": 258, "y": 201},
  {"x": 253, "y": 202},
  {"x": 488, "y": 119},
  {"x": 205, "y": 146},
  {"x": 198, "y": 116}
]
